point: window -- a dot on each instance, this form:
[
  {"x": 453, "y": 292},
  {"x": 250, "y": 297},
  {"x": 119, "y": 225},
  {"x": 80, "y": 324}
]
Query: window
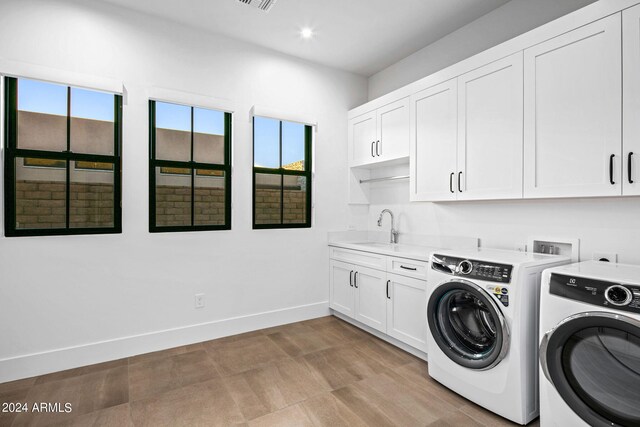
[
  {"x": 190, "y": 168},
  {"x": 281, "y": 174},
  {"x": 62, "y": 162}
]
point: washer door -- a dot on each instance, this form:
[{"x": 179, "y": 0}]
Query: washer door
[
  {"x": 467, "y": 324},
  {"x": 593, "y": 361}
]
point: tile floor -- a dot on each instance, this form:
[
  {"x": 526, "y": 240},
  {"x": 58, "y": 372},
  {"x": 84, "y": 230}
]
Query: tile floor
[{"x": 322, "y": 372}]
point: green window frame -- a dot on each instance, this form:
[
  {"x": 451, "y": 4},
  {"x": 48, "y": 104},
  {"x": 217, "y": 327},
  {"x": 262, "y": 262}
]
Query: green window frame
[
  {"x": 191, "y": 169},
  {"x": 17, "y": 159},
  {"x": 283, "y": 173}
]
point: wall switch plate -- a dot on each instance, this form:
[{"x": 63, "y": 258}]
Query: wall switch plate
[
  {"x": 605, "y": 256},
  {"x": 199, "y": 301}
]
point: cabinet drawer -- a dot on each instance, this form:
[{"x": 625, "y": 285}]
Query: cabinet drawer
[
  {"x": 408, "y": 267},
  {"x": 365, "y": 259}
]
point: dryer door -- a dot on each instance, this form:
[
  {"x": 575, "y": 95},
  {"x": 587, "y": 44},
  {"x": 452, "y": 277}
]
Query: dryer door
[
  {"x": 593, "y": 361},
  {"x": 467, "y": 324}
]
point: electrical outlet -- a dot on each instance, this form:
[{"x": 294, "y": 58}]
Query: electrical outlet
[
  {"x": 605, "y": 256},
  {"x": 520, "y": 248},
  {"x": 199, "y": 300}
]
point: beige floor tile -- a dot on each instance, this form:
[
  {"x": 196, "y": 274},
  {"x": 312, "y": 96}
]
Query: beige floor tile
[
  {"x": 240, "y": 355},
  {"x": 83, "y": 370},
  {"x": 292, "y": 416},
  {"x": 455, "y": 419},
  {"x": 149, "y": 357},
  {"x": 86, "y": 393},
  {"x": 384, "y": 352},
  {"x": 343, "y": 365},
  {"x": 326, "y": 410},
  {"x": 485, "y": 417},
  {"x": 273, "y": 387},
  {"x": 160, "y": 375},
  {"x": 202, "y": 404},
  {"x": 116, "y": 416}
]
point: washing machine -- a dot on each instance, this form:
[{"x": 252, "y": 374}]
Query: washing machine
[
  {"x": 483, "y": 327},
  {"x": 590, "y": 345}
]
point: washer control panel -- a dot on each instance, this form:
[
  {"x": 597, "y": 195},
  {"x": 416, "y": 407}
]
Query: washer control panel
[
  {"x": 597, "y": 292},
  {"x": 472, "y": 269}
]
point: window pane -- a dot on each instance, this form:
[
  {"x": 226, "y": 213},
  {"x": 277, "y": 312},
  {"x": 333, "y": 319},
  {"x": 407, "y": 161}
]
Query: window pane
[
  {"x": 266, "y": 142},
  {"x": 209, "y": 197},
  {"x": 41, "y": 193},
  {"x": 173, "y": 197},
  {"x": 208, "y": 137},
  {"x": 91, "y": 195},
  {"x": 295, "y": 200},
  {"x": 92, "y": 122},
  {"x": 173, "y": 132},
  {"x": 293, "y": 146},
  {"x": 268, "y": 199},
  {"x": 42, "y": 116}
]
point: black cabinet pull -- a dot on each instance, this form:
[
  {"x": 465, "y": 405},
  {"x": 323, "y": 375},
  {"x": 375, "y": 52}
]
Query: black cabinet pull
[
  {"x": 355, "y": 279},
  {"x": 629, "y": 167},
  {"x": 408, "y": 268},
  {"x": 372, "y": 142},
  {"x": 611, "y": 169},
  {"x": 451, "y": 182},
  {"x": 459, "y": 186},
  {"x": 377, "y": 143},
  {"x": 388, "y": 297},
  {"x": 351, "y": 278}
]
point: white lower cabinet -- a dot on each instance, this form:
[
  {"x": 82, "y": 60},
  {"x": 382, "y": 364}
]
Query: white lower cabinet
[
  {"x": 394, "y": 304},
  {"x": 407, "y": 310},
  {"x": 342, "y": 289}
]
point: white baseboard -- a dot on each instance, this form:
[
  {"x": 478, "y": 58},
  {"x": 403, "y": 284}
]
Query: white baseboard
[
  {"x": 418, "y": 353},
  {"x": 30, "y": 365}
]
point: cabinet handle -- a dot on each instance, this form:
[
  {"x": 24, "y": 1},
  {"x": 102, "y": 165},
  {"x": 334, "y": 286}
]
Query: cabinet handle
[
  {"x": 388, "y": 297},
  {"x": 378, "y": 143},
  {"x": 629, "y": 167},
  {"x": 451, "y": 182},
  {"x": 351, "y": 278},
  {"x": 611, "y": 169},
  {"x": 408, "y": 268},
  {"x": 372, "y": 142},
  {"x": 355, "y": 279},
  {"x": 459, "y": 186}
]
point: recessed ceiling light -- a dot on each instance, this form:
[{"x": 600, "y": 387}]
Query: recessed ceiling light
[{"x": 306, "y": 33}]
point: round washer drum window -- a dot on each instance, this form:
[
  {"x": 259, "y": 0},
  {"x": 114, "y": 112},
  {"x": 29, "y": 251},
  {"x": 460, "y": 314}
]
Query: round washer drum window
[
  {"x": 594, "y": 363},
  {"x": 467, "y": 325}
]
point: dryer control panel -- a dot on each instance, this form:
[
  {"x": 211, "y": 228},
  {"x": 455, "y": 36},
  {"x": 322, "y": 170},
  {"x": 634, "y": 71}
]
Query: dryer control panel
[
  {"x": 472, "y": 269},
  {"x": 597, "y": 292}
]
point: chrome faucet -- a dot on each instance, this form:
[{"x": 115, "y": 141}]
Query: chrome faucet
[{"x": 394, "y": 232}]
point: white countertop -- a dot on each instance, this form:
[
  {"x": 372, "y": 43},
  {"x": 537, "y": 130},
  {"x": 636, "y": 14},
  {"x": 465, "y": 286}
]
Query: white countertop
[
  {"x": 417, "y": 247},
  {"x": 417, "y": 252}
]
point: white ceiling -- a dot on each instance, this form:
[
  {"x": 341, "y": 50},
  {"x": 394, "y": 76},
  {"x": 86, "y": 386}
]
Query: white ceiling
[{"x": 361, "y": 36}]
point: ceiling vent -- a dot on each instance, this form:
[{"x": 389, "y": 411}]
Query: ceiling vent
[{"x": 264, "y": 5}]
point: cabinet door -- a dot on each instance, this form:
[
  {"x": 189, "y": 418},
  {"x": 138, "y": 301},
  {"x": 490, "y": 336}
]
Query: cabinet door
[
  {"x": 407, "y": 310},
  {"x": 631, "y": 100},
  {"x": 371, "y": 301},
  {"x": 342, "y": 297},
  {"x": 362, "y": 139},
  {"x": 393, "y": 131},
  {"x": 490, "y": 104},
  {"x": 433, "y": 143},
  {"x": 573, "y": 101}
]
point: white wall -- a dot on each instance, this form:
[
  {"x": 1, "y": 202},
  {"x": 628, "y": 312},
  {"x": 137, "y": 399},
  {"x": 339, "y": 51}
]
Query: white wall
[
  {"x": 85, "y": 293},
  {"x": 512, "y": 19},
  {"x": 602, "y": 224}
]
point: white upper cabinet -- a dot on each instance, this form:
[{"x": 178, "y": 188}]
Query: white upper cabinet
[
  {"x": 573, "y": 113},
  {"x": 362, "y": 139},
  {"x": 381, "y": 135},
  {"x": 434, "y": 127},
  {"x": 490, "y": 127},
  {"x": 631, "y": 101}
]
